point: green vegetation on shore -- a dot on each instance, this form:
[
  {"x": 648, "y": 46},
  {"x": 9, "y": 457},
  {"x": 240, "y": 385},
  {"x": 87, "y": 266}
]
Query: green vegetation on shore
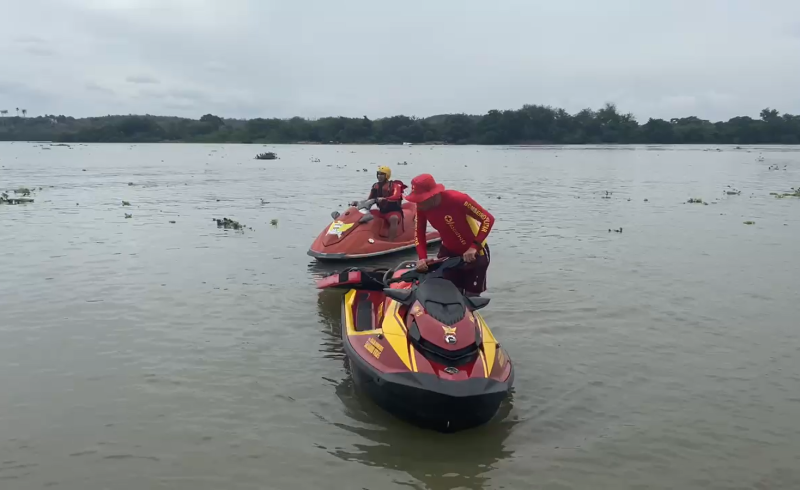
[{"x": 531, "y": 124}]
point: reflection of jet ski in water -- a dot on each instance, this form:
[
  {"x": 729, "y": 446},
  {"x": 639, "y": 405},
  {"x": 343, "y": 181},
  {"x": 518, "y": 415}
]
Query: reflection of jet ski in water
[
  {"x": 329, "y": 307},
  {"x": 438, "y": 461},
  {"x": 457, "y": 460},
  {"x": 419, "y": 348}
]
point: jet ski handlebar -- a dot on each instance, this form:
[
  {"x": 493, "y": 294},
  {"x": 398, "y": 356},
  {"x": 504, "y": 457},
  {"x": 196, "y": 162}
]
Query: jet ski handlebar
[
  {"x": 367, "y": 204},
  {"x": 436, "y": 266}
]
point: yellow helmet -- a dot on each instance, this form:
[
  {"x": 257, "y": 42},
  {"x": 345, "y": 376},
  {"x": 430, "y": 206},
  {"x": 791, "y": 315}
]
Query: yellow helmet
[{"x": 383, "y": 169}]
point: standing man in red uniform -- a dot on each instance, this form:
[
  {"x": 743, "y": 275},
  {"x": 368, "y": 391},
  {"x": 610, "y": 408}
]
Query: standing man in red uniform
[{"x": 463, "y": 225}]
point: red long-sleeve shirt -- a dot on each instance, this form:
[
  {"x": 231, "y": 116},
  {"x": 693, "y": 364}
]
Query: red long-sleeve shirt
[{"x": 460, "y": 221}]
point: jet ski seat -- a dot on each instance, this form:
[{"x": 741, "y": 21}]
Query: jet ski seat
[{"x": 442, "y": 300}]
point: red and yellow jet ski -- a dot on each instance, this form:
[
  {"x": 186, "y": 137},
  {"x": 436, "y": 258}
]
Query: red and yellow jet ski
[
  {"x": 419, "y": 347},
  {"x": 356, "y": 234}
]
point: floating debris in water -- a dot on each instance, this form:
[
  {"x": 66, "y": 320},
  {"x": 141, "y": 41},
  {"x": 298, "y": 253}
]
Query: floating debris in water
[
  {"x": 14, "y": 200},
  {"x": 130, "y": 183},
  {"x": 695, "y": 200},
  {"x": 779, "y": 195},
  {"x": 128, "y": 215},
  {"x": 172, "y": 222},
  {"x": 228, "y": 224},
  {"x": 267, "y": 156},
  {"x": 126, "y": 203},
  {"x": 615, "y": 230},
  {"x": 273, "y": 222},
  {"x": 646, "y": 200},
  {"x": 749, "y": 222}
]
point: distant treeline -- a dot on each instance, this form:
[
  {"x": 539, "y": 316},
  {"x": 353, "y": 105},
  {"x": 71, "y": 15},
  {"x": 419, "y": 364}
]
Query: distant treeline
[{"x": 530, "y": 125}]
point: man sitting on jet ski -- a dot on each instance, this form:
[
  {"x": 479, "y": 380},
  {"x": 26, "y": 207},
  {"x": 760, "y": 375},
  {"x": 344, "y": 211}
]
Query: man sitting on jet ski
[
  {"x": 389, "y": 197},
  {"x": 463, "y": 225}
]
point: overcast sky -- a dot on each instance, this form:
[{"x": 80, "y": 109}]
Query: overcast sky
[{"x": 279, "y": 58}]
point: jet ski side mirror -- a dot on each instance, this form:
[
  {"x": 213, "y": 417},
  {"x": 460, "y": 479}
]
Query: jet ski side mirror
[
  {"x": 402, "y": 296},
  {"x": 335, "y": 214},
  {"x": 477, "y": 302}
]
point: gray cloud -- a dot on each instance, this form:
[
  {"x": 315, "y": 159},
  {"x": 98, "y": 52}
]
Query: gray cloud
[
  {"x": 31, "y": 40},
  {"x": 35, "y": 45},
  {"x": 272, "y": 58},
  {"x": 94, "y": 87},
  {"x": 141, "y": 80},
  {"x": 39, "y": 51}
]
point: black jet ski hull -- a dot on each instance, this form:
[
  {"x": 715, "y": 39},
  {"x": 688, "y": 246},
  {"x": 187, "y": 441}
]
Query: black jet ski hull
[{"x": 428, "y": 402}]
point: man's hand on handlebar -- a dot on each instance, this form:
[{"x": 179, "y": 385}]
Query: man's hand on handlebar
[{"x": 422, "y": 265}]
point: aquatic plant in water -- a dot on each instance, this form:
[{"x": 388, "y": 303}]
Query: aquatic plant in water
[
  {"x": 228, "y": 224},
  {"x": 780, "y": 195}
]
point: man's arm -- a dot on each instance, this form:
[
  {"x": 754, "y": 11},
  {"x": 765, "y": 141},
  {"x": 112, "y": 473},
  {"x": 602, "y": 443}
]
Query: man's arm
[
  {"x": 484, "y": 218},
  {"x": 420, "y": 234},
  {"x": 373, "y": 192}
]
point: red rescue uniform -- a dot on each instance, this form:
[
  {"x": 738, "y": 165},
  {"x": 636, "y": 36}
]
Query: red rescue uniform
[
  {"x": 462, "y": 223},
  {"x": 392, "y": 191}
]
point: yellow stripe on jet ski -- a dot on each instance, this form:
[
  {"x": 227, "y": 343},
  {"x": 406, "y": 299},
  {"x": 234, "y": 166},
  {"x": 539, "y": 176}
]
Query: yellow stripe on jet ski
[
  {"x": 395, "y": 333},
  {"x": 349, "y": 325},
  {"x": 413, "y": 358},
  {"x": 489, "y": 344},
  {"x": 485, "y": 369},
  {"x": 396, "y": 314}
]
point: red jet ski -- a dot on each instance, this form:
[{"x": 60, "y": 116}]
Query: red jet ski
[
  {"x": 356, "y": 234},
  {"x": 419, "y": 347}
]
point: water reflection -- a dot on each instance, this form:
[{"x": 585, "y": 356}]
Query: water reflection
[
  {"x": 329, "y": 306},
  {"x": 434, "y": 461}
]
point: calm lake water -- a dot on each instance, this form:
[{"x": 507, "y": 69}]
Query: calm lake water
[{"x": 141, "y": 354}]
